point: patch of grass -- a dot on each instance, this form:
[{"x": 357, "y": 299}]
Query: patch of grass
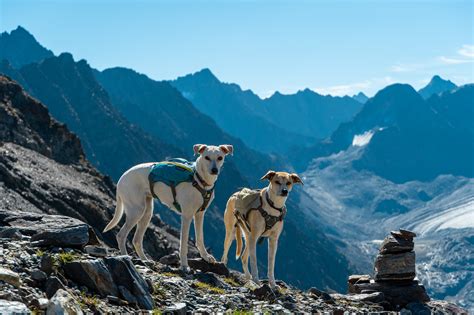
[
  {"x": 231, "y": 281},
  {"x": 208, "y": 287},
  {"x": 241, "y": 312},
  {"x": 156, "y": 312},
  {"x": 64, "y": 257},
  {"x": 170, "y": 274},
  {"x": 39, "y": 253},
  {"x": 159, "y": 291},
  {"x": 91, "y": 301}
]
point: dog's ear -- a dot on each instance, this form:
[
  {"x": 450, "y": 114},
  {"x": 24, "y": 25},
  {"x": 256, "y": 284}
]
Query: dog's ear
[
  {"x": 269, "y": 175},
  {"x": 296, "y": 179},
  {"x": 227, "y": 149},
  {"x": 199, "y": 148}
]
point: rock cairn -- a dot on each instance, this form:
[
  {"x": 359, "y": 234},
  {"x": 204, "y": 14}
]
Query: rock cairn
[{"x": 394, "y": 273}]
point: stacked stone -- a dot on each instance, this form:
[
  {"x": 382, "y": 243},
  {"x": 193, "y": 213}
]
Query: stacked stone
[
  {"x": 396, "y": 258},
  {"x": 394, "y": 273}
]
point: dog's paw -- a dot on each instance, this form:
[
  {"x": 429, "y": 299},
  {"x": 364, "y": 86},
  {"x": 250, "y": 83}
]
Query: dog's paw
[
  {"x": 209, "y": 258},
  {"x": 185, "y": 269}
]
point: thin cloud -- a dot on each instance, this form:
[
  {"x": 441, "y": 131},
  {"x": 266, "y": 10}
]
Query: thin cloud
[
  {"x": 356, "y": 87},
  {"x": 454, "y": 61},
  {"x": 467, "y": 51},
  {"x": 463, "y": 55}
]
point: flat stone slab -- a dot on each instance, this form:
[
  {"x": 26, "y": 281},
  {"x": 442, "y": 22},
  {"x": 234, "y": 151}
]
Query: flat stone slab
[
  {"x": 395, "y": 266},
  {"x": 8, "y": 276}
]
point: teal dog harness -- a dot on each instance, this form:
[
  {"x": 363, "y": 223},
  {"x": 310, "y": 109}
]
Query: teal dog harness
[{"x": 174, "y": 172}]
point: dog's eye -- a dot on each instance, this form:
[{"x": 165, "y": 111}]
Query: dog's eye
[
  {"x": 277, "y": 182},
  {"x": 219, "y": 158},
  {"x": 288, "y": 183},
  {"x": 207, "y": 158}
]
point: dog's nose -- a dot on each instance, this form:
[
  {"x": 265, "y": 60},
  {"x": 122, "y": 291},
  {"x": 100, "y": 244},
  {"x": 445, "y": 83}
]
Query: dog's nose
[
  {"x": 214, "y": 171},
  {"x": 284, "y": 192}
]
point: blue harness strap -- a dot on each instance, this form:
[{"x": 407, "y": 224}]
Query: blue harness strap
[{"x": 174, "y": 172}]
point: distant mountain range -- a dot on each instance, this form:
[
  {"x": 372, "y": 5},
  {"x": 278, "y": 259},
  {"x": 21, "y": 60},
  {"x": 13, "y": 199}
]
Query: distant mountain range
[{"x": 275, "y": 124}]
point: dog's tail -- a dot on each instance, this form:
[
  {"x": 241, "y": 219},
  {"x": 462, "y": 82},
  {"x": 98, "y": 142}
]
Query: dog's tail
[
  {"x": 238, "y": 239},
  {"x": 117, "y": 215}
]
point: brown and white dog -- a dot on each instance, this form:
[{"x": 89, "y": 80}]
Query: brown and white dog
[
  {"x": 135, "y": 198},
  {"x": 273, "y": 198}
]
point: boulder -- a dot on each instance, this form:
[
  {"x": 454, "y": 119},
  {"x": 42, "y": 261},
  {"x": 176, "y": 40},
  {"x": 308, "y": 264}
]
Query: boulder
[
  {"x": 200, "y": 264},
  {"x": 374, "y": 297},
  {"x": 264, "y": 292},
  {"x": 93, "y": 274},
  {"x": 395, "y": 266},
  {"x": 210, "y": 278},
  {"x": 13, "y": 307},
  {"x": 53, "y": 284},
  {"x": 63, "y": 303},
  {"x": 47, "y": 264},
  {"x": 353, "y": 279},
  {"x": 47, "y": 230},
  {"x": 71, "y": 236},
  {"x": 96, "y": 251},
  {"x": 176, "y": 309},
  {"x": 170, "y": 260},
  {"x": 397, "y": 293},
  {"x": 126, "y": 275},
  {"x": 8, "y": 276}
]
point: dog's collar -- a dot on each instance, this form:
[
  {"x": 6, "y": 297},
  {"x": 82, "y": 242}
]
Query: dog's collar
[
  {"x": 201, "y": 180},
  {"x": 270, "y": 202}
]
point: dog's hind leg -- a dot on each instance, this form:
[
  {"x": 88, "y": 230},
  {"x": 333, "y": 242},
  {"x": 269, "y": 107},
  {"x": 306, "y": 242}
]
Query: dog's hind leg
[
  {"x": 134, "y": 212},
  {"x": 141, "y": 228},
  {"x": 229, "y": 238},
  {"x": 245, "y": 261},
  {"x": 230, "y": 229}
]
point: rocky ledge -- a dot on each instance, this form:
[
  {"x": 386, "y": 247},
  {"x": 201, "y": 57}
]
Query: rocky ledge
[{"x": 82, "y": 275}]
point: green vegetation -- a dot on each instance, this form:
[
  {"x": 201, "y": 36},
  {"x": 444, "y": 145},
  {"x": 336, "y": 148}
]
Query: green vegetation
[
  {"x": 64, "y": 257},
  {"x": 170, "y": 274},
  {"x": 231, "y": 282},
  {"x": 208, "y": 287},
  {"x": 90, "y": 301},
  {"x": 39, "y": 253}
]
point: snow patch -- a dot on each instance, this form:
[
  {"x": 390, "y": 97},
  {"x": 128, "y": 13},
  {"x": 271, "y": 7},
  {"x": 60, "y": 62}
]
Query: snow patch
[{"x": 363, "y": 139}]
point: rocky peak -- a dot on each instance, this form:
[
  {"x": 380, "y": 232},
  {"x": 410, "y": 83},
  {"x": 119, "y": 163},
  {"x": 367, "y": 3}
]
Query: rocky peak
[
  {"x": 437, "y": 85},
  {"x": 21, "y": 48}
]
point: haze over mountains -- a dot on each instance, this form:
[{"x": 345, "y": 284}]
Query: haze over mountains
[
  {"x": 274, "y": 124},
  {"x": 399, "y": 159}
]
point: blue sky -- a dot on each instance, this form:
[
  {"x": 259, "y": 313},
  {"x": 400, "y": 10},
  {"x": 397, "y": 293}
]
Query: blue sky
[{"x": 337, "y": 47}]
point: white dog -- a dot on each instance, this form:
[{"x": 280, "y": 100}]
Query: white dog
[
  {"x": 263, "y": 217},
  {"x": 189, "y": 197}
]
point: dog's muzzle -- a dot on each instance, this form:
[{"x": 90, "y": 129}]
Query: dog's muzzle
[
  {"x": 284, "y": 192},
  {"x": 214, "y": 171}
]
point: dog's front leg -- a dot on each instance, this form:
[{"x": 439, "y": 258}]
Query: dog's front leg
[
  {"x": 198, "y": 229},
  {"x": 183, "y": 246},
  {"x": 272, "y": 248},
  {"x": 253, "y": 257}
]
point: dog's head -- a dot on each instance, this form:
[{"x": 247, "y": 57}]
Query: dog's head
[
  {"x": 281, "y": 183},
  {"x": 211, "y": 157}
]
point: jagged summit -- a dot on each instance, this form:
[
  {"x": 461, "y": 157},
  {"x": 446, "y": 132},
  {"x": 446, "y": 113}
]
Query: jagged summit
[
  {"x": 437, "y": 85},
  {"x": 21, "y": 48},
  {"x": 360, "y": 97}
]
